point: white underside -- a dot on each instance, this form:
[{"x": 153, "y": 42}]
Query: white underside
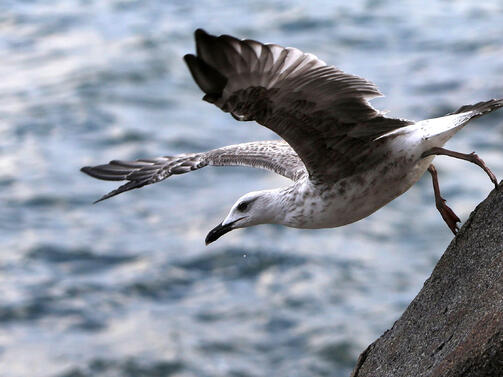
[{"x": 365, "y": 193}]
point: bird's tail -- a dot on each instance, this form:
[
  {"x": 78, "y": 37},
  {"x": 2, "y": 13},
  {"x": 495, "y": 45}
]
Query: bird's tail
[
  {"x": 479, "y": 108},
  {"x": 438, "y": 130}
]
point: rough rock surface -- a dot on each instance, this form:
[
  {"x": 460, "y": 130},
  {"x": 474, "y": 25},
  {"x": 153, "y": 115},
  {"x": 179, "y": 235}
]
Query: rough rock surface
[{"x": 454, "y": 326}]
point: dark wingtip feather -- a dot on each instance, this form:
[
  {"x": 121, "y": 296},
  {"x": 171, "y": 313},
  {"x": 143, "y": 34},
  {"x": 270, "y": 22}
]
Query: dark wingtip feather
[
  {"x": 202, "y": 39},
  {"x": 106, "y": 172},
  {"x": 200, "y": 33},
  {"x": 100, "y": 199},
  {"x": 85, "y": 169},
  {"x": 104, "y": 197},
  {"x": 207, "y": 78},
  {"x": 126, "y": 187},
  {"x": 89, "y": 170}
]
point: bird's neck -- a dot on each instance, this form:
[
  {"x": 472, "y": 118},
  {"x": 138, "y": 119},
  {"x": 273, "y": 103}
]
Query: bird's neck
[{"x": 289, "y": 203}]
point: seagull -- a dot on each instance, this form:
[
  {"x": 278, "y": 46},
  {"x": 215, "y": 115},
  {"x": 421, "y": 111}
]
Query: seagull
[{"x": 345, "y": 158}]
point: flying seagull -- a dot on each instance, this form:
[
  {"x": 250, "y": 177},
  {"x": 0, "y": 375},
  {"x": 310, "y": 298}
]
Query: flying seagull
[{"x": 345, "y": 158}]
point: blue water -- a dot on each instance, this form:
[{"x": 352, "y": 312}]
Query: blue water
[{"x": 127, "y": 287}]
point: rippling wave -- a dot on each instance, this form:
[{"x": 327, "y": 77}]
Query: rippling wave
[{"x": 127, "y": 287}]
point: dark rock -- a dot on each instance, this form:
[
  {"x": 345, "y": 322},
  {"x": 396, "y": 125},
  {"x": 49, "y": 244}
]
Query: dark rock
[{"x": 454, "y": 326}]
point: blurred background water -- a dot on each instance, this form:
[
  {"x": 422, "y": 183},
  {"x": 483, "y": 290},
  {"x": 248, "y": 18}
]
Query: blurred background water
[{"x": 127, "y": 287}]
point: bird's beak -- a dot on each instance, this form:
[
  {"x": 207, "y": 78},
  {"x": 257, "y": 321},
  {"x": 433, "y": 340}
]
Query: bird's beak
[{"x": 219, "y": 231}]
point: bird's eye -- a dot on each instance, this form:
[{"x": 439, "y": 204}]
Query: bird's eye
[{"x": 242, "y": 206}]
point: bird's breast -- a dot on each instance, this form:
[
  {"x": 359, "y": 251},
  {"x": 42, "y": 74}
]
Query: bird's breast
[{"x": 356, "y": 197}]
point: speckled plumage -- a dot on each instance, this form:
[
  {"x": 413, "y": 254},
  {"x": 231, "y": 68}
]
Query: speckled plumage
[{"x": 346, "y": 158}]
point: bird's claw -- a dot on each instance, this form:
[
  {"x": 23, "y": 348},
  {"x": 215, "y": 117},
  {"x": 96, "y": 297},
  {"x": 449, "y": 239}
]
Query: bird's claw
[{"x": 450, "y": 218}]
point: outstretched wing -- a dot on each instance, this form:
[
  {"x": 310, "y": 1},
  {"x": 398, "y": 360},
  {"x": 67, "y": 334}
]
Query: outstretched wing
[
  {"x": 322, "y": 112},
  {"x": 276, "y": 156}
]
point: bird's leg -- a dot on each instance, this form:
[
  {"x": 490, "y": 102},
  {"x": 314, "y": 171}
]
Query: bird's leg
[
  {"x": 447, "y": 213},
  {"x": 472, "y": 157}
]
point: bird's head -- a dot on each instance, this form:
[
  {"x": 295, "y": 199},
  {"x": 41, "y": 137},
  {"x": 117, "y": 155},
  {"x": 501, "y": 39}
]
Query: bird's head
[{"x": 254, "y": 208}]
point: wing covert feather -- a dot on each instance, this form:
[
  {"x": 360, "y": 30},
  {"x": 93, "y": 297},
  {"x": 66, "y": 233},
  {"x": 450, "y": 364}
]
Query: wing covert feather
[{"x": 320, "y": 111}]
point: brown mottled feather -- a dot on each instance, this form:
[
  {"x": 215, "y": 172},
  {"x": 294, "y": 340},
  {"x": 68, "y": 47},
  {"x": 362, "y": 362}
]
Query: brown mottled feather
[
  {"x": 276, "y": 156},
  {"x": 319, "y": 110}
]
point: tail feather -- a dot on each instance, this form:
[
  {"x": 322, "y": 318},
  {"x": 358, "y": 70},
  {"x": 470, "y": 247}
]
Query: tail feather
[
  {"x": 480, "y": 108},
  {"x": 438, "y": 130}
]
